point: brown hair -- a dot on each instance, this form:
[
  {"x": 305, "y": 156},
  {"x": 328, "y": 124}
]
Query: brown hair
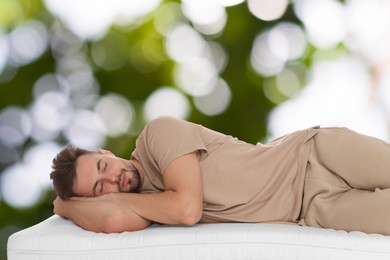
[{"x": 64, "y": 170}]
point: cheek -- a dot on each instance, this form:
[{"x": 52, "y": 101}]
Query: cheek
[
  {"x": 81, "y": 189},
  {"x": 111, "y": 188},
  {"x": 114, "y": 165}
]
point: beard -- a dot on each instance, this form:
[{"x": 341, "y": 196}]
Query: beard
[{"x": 134, "y": 179}]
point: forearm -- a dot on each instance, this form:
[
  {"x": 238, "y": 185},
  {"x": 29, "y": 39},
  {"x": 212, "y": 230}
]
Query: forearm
[
  {"x": 81, "y": 213},
  {"x": 167, "y": 207},
  {"x": 100, "y": 215}
]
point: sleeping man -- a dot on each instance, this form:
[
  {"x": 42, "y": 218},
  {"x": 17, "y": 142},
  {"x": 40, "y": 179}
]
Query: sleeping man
[{"x": 184, "y": 173}]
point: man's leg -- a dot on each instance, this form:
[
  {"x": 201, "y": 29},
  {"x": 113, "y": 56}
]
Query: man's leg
[{"x": 347, "y": 185}]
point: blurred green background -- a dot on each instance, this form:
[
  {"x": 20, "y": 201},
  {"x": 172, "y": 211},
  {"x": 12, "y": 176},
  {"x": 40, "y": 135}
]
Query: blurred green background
[{"x": 93, "y": 73}]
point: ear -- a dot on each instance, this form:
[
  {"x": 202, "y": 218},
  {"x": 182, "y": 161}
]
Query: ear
[{"x": 106, "y": 152}]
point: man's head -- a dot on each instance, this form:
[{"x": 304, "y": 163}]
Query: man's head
[
  {"x": 64, "y": 171},
  {"x": 78, "y": 172}
]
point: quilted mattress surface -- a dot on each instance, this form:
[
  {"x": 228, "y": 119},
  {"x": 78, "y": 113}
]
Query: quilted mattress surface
[{"x": 57, "y": 238}]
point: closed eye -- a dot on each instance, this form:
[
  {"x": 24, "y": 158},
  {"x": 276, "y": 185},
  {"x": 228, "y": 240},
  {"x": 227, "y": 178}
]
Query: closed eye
[
  {"x": 101, "y": 187},
  {"x": 99, "y": 165}
]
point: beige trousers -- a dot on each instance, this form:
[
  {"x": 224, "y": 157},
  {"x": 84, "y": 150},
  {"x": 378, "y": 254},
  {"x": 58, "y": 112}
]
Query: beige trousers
[{"x": 347, "y": 184}]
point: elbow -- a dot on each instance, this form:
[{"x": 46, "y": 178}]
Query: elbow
[
  {"x": 118, "y": 223},
  {"x": 191, "y": 215},
  {"x": 112, "y": 224}
]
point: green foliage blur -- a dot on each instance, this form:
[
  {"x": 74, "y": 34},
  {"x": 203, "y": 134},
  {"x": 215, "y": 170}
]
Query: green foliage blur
[{"x": 136, "y": 79}]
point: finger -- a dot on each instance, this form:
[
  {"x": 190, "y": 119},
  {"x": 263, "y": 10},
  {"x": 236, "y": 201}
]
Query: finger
[{"x": 105, "y": 151}]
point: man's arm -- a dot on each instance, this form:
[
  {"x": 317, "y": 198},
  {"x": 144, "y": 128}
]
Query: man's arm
[
  {"x": 180, "y": 203},
  {"x": 99, "y": 215}
]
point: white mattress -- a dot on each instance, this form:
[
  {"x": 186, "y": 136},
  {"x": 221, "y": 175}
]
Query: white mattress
[{"x": 57, "y": 238}]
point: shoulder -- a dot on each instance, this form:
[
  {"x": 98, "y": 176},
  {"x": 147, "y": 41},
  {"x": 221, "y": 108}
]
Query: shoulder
[
  {"x": 169, "y": 124},
  {"x": 164, "y": 120}
]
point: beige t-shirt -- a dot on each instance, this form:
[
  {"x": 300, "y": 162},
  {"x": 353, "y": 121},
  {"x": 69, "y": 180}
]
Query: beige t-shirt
[{"x": 242, "y": 182}]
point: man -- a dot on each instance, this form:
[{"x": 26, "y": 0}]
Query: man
[{"x": 184, "y": 173}]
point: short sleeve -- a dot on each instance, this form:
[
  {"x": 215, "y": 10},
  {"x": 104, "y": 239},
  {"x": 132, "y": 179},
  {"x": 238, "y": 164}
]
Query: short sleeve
[{"x": 168, "y": 138}]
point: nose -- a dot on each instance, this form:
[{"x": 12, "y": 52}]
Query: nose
[
  {"x": 110, "y": 178},
  {"x": 111, "y": 183}
]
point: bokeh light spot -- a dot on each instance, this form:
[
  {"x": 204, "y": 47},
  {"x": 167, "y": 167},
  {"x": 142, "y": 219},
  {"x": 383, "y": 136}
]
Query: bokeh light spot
[
  {"x": 166, "y": 101},
  {"x": 93, "y": 23},
  {"x": 49, "y": 83},
  {"x": 84, "y": 89},
  {"x": 86, "y": 130},
  {"x": 168, "y": 16},
  {"x": 368, "y": 24},
  {"x": 338, "y": 94},
  {"x": 4, "y": 51},
  {"x": 262, "y": 59},
  {"x": 322, "y": 31},
  {"x": 28, "y": 41},
  {"x": 51, "y": 112},
  {"x": 287, "y": 41},
  {"x": 217, "y": 55},
  {"x": 267, "y": 10},
  {"x": 229, "y": 2},
  {"x": 18, "y": 186},
  {"x": 116, "y": 112},
  {"x": 383, "y": 94},
  {"x": 15, "y": 126},
  {"x": 178, "y": 40},
  {"x": 64, "y": 42},
  {"x": 197, "y": 78},
  {"x": 215, "y": 102},
  {"x": 288, "y": 83},
  {"x": 208, "y": 17},
  {"x": 24, "y": 183}
]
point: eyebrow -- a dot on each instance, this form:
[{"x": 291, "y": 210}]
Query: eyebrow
[{"x": 98, "y": 164}]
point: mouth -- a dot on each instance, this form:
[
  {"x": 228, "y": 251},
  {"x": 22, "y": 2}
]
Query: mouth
[{"x": 123, "y": 181}]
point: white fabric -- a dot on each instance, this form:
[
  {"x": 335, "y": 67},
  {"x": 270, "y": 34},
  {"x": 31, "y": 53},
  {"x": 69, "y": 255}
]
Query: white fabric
[{"x": 57, "y": 238}]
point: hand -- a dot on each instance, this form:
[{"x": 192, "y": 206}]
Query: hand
[
  {"x": 62, "y": 207},
  {"x": 59, "y": 207},
  {"x": 106, "y": 213}
]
